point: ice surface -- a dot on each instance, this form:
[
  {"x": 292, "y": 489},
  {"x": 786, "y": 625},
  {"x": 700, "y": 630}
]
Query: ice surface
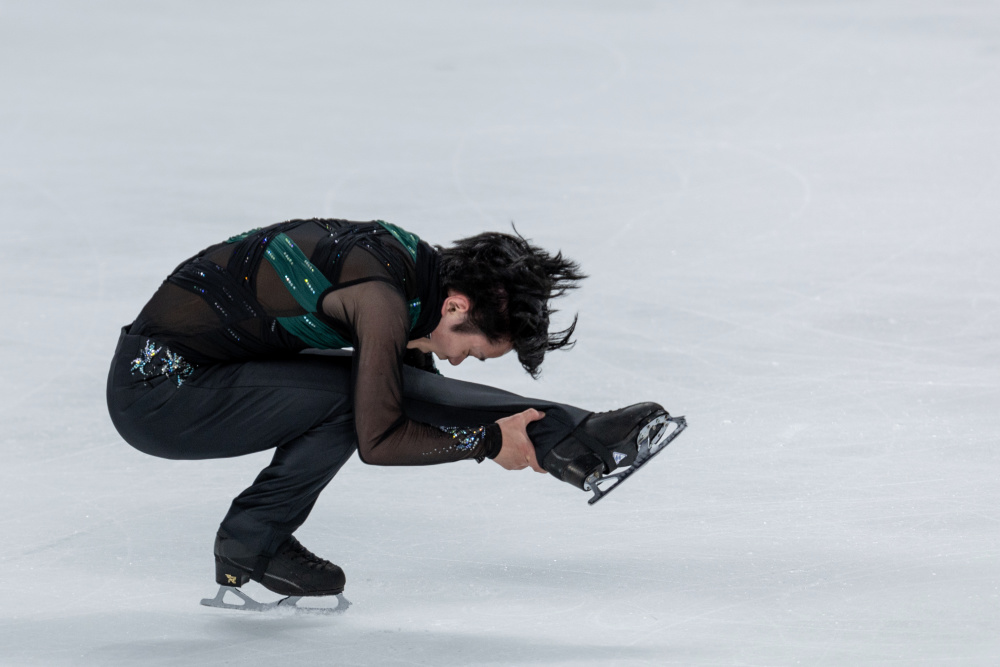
[{"x": 789, "y": 211}]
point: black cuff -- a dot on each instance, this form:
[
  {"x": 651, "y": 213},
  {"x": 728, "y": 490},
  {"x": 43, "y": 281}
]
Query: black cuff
[{"x": 492, "y": 442}]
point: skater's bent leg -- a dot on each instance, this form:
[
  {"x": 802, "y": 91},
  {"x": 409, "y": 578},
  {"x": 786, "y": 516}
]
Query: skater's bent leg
[
  {"x": 442, "y": 401},
  {"x": 301, "y": 406},
  {"x": 280, "y": 499}
]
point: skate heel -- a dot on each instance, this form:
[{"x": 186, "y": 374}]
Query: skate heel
[
  {"x": 570, "y": 462},
  {"x": 227, "y": 575},
  {"x": 581, "y": 469}
]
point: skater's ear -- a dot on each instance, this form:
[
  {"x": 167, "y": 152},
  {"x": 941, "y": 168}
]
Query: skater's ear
[{"x": 456, "y": 304}]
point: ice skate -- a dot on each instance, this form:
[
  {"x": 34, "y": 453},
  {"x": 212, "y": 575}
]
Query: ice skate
[
  {"x": 293, "y": 571},
  {"x": 622, "y": 440}
]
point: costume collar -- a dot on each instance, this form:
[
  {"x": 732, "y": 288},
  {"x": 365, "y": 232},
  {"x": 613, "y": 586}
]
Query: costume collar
[{"x": 428, "y": 270}]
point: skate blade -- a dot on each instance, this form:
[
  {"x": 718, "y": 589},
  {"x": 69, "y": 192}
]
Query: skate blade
[
  {"x": 652, "y": 439},
  {"x": 284, "y": 604}
]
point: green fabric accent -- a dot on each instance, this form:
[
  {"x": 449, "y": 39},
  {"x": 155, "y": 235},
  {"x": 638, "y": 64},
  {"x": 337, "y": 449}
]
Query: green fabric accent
[
  {"x": 409, "y": 241},
  {"x": 301, "y": 278},
  {"x": 313, "y": 332},
  {"x": 305, "y": 283},
  {"x": 240, "y": 237}
]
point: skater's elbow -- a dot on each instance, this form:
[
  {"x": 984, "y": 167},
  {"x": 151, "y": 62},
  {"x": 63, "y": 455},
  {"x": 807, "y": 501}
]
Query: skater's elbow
[
  {"x": 377, "y": 448},
  {"x": 372, "y": 454},
  {"x": 365, "y": 455},
  {"x": 376, "y": 458}
]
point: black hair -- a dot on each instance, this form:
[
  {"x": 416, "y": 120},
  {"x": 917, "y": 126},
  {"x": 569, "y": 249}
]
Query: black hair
[{"x": 510, "y": 283}]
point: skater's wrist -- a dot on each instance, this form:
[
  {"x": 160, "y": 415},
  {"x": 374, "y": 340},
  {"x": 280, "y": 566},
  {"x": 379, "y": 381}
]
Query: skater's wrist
[{"x": 492, "y": 442}]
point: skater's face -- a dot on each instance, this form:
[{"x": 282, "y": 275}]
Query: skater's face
[{"x": 457, "y": 346}]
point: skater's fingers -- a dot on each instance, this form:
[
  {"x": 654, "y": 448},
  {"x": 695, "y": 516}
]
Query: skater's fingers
[
  {"x": 516, "y": 450},
  {"x": 533, "y": 462},
  {"x": 533, "y": 415}
]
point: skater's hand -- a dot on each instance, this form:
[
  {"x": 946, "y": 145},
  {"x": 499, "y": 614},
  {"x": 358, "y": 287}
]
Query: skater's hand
[{"x": 517, "y": 452}]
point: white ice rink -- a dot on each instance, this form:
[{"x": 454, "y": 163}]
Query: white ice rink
[{"x": 790, "y": 212}]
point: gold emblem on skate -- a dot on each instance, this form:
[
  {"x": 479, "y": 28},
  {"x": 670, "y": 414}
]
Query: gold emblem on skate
[{"x": 231, "y": 578}]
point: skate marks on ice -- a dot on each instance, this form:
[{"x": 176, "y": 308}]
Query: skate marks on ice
[
  {"x": 652, "y": 439},
  {"x": 284, "y": 605}
]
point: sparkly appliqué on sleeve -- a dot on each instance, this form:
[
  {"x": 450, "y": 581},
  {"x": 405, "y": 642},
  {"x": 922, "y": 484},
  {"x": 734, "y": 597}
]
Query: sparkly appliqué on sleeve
[
  {"x": 466, "y": 439},
  {"x": 150, "y": 363}
]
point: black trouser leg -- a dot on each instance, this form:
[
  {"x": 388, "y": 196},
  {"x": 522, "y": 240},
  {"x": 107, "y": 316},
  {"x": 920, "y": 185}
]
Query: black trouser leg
[
  {"x": 299, "y": 406},
  {"x": 281, "y": 497}
]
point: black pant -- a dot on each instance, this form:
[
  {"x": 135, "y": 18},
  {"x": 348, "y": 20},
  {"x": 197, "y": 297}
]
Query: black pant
[{"x": 300, "y": 406}]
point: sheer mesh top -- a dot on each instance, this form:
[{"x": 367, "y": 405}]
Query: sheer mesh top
[{"x": 324, "y": 284}]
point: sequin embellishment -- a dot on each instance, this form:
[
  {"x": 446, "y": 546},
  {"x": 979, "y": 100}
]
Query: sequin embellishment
[
  {"x": 466, "y": 438},
  {"x": 171, "y": 365}
]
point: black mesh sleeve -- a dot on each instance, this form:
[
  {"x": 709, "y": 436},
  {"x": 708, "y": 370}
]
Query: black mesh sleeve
[{"x": 377, "y": 314}]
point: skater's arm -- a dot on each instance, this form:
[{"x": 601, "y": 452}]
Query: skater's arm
[{"x": 378, "y": 316}]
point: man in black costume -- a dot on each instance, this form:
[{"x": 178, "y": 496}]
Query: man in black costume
[{"x": 213, "y": 367}]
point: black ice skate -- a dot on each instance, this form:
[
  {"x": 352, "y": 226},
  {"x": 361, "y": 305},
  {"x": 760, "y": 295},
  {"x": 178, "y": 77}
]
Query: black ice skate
[
  {"x": 622, "y": 440},
  {"x": 293, "y": 571}
]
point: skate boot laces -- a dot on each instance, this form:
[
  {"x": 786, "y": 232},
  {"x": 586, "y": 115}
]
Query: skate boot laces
[{"x": 299, "y": 554}]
